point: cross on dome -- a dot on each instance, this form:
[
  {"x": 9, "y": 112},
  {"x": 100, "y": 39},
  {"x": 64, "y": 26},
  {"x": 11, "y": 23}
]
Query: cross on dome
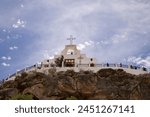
[{"x": 71, "y": 38}]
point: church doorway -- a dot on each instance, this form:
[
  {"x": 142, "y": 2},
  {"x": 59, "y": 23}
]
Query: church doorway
[
  {"x": 69, "y": 62},
  {"x": 92, "y": 65}
]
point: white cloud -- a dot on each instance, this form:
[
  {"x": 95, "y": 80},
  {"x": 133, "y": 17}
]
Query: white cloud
[
  {"x": 19, "y": 23},
  {"x": 46, "y": 55},
  {"x": 13, "y": 48},
  {"x": 51, "y": 57},
  {"x": 81, "y": 46},
  {"x": 140, "y": 60},
  {"x": 22, "y": 6},
  {"x": 4, "y": 30},
  {"x": 17, "y": 36},
  {"x": 121, "y": 37},
  {"x": 6, "y": 58},
  {"x": 85, "y": 45},
  {"x": 102, "y": 42},
  {"x": 89, "y": 43},
  {"x": 8, "y": 37},
  {"x": 5, "y": 64}
]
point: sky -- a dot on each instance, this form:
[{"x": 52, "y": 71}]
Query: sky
[{"x": 114, "y": 31}]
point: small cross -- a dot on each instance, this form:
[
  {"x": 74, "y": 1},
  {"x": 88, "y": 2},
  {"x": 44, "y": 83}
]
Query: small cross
[{"x": 71, "y": 38}]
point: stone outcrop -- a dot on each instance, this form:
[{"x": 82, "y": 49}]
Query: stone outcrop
[
  {"x": 7, "y": 93},
  {"x": 105, "y": 84}
]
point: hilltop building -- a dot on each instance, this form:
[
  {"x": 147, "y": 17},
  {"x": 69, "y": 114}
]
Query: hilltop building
[{"x": 71, "y": 58}]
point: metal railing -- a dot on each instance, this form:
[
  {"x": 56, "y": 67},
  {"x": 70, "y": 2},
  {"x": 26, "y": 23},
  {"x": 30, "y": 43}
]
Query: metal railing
[
  {"x": 114, "y": 65},
  {"x": 109, "y": 65},
  {"x": 21, "y": 71}
]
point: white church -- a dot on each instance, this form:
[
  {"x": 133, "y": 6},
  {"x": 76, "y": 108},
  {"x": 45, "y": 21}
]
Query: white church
[{"x": 71, "y": 58}]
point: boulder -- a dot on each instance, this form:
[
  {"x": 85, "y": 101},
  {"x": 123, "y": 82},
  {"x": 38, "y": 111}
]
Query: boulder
[
  {"x": 36, "y": 90},
  {"x": 7, "y": 93}
]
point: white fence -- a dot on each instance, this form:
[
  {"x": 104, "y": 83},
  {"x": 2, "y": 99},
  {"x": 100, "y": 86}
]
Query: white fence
[{"x": 128, "y": 68}]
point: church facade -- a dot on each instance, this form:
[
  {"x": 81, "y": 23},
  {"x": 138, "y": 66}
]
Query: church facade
[{"x": 70, "y": 56}]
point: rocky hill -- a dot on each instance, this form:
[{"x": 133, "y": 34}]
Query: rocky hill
[{"x": 105, "y": 84}]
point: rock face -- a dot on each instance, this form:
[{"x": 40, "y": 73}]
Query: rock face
[
  {"x": 105, "y": 84},
  {"x": 7, "y": 93}
]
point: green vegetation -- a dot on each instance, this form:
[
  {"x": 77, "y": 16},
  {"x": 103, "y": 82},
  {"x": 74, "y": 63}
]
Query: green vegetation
[
  {"x": 59, "y": 61},
  {"x": 22, "y": 97}
]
